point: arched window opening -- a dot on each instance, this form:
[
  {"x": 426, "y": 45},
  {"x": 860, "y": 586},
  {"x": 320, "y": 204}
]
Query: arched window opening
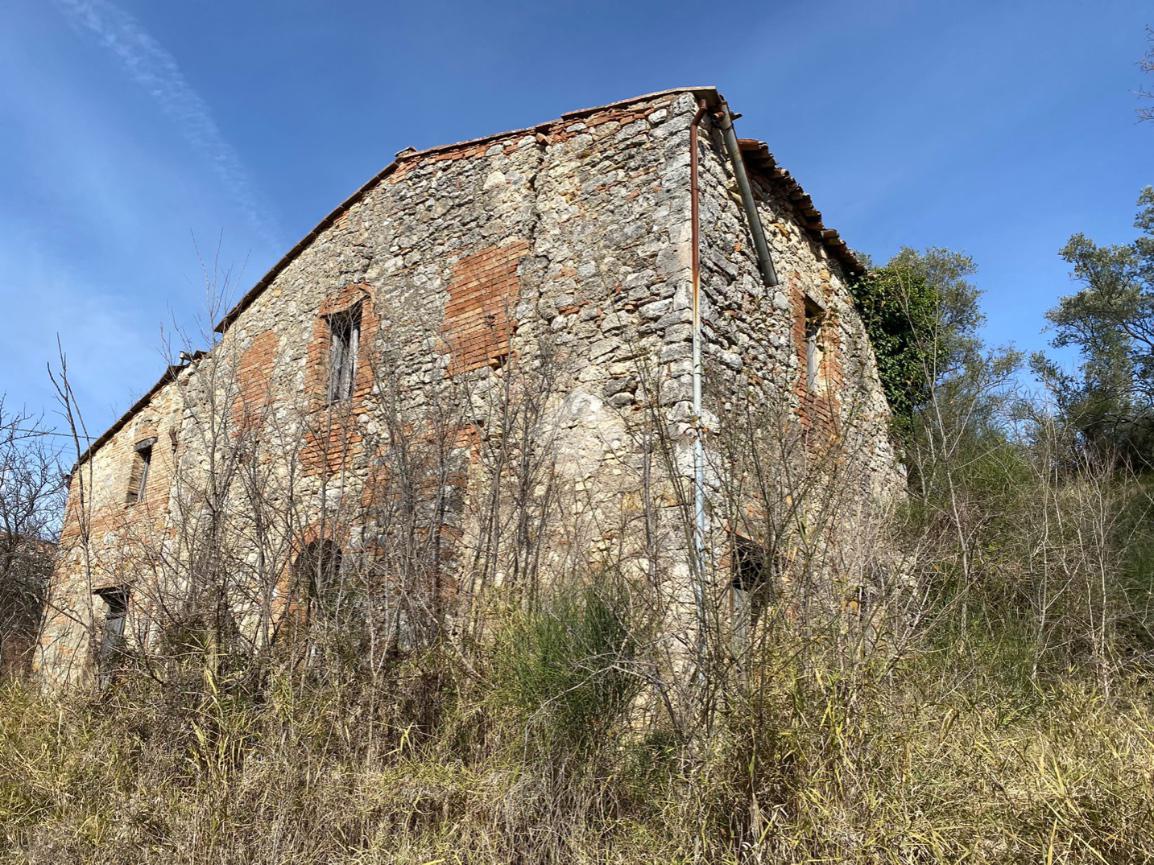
[{"x": 318, "y": 572}]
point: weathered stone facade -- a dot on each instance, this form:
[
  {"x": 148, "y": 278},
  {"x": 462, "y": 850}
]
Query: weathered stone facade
[{"x": 524, "y": 306}]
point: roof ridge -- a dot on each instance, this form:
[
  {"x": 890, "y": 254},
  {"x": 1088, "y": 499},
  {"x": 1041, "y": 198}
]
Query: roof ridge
[
  {"x": 762, "y": 160},
  {"x": 406, "y": 156}
]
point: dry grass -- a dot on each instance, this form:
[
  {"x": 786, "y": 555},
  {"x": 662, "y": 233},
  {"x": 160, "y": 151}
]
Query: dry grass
[
  {"x": 988, "y": 699},
  {"x": 922, "y": 763}
]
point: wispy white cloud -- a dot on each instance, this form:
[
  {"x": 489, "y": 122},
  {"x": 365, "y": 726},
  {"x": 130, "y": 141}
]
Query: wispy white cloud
[
  {"x": 156, "y": 71},
  {"x": 109, "y": 343}
]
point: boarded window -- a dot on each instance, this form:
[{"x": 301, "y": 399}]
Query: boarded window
[
  {"x": 344, "y": 343},
  {"x": 138, "y": 476}
]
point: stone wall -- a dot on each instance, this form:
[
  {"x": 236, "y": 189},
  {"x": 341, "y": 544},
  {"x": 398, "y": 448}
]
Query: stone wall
[
  {"x": 828, "y": 471},
  {"x": 755, "y": 334},
  {"x": 523, "y": 377},
  {"x": 107, "y": 540}
]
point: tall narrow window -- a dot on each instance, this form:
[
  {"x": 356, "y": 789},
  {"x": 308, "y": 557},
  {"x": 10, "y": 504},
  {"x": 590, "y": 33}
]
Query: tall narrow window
[
  {"x": 814, "y": 315},
  {"x": 344, "y": 342},
  {"x": 751, "y": 585},
  {"x": 112, "y": 637},
  {"x": 138, "y": 477}
]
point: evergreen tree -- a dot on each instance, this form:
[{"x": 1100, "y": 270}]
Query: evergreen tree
[{"x": 1109, "y": 400}]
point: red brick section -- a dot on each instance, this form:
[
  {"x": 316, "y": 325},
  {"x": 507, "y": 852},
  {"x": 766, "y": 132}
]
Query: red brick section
[
  {"x": 334, "y": 437},
  {"x": 479, "y": 315},
  {"x": 254, "y": 374},
  {"x": 819, "y": 409},
  {"x": 143, "y": 517},
  {"x": 289, "y": 607}
]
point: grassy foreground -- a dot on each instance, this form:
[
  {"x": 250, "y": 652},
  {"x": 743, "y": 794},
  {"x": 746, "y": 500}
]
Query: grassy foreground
[{"x": 953, "y": 757}]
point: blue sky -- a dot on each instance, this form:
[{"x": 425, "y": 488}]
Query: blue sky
[{"x": 151, "y": 151}]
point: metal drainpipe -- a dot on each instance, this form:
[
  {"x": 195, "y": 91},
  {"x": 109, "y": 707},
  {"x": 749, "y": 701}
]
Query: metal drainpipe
[
  {"x": 698, "y": 445},
  {"x": 764, "y": 260}
]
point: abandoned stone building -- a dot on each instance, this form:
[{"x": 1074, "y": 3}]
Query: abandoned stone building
[{"x": 534, "y": 339}]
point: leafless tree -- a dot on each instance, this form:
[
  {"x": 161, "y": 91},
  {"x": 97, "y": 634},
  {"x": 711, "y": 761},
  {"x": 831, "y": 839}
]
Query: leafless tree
[
  {"x": 30, "y": 500},
  {"x": 1147, "y": 65}
]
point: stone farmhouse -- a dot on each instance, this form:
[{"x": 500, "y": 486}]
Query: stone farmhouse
[{"x": 536, "y": 339}]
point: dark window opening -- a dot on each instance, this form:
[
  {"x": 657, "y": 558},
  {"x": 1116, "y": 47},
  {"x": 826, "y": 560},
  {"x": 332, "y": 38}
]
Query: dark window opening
[
  {"x": 814, "y": 349},
  {"x": 750, "y": 566},
  {"x": 141, "y": 463},
  {"x": 751, "y": 586},
  {"x": 344, "y": 343},
  {"x": 112, "y": 641},
  {"x": 318, "y": 572}
]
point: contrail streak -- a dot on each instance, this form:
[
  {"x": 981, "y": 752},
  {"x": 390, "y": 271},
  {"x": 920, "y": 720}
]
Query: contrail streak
[{"x": 156, "y": 71}]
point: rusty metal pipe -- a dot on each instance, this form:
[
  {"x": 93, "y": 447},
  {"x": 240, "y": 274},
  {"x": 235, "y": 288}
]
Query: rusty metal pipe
[{"x": 749, "y": 203}]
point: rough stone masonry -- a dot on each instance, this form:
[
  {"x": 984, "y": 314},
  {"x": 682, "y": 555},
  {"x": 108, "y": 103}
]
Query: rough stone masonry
[{"x": 506, "y": 327}]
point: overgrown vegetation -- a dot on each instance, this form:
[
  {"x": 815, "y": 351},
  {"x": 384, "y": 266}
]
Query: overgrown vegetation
[
  {"x": 959, "y": 748},
  {"x": 1109, "y": 401},
  {"x": 30, "y": 502},
  {"x": 965, "y": 678}
]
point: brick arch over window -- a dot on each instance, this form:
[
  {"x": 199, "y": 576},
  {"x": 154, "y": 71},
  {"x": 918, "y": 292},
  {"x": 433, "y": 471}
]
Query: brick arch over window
[
  {"x": 292, "y": 596},
  {"x": 341, "y": 302}
]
